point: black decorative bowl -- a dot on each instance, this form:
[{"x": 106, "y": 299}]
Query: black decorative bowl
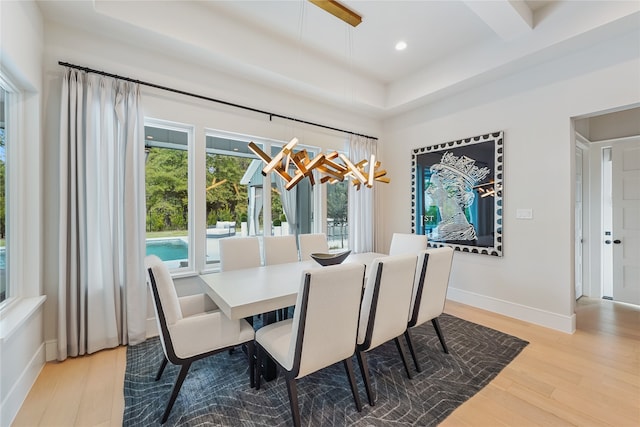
[{"x": 330, "y": 259}]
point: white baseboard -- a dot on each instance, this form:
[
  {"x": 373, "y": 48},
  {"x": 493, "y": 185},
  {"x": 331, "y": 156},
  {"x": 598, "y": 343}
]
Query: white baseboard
[
  {"x": 544, "y": 318},
  {"x": 18, "y": 393},
  {"x": 52, "y": 345}
]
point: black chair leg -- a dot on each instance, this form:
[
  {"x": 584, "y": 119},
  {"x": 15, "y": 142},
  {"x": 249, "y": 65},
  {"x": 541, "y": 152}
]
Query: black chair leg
[
  {"x": 348, "y": 366},
  {"x": 162, "y": 366},
  {"x": 403, "y": 355},
  {"x": 292, "y": 389},
  {"x": 251, "y": 353},
  {"x": 258, "y": 367},
  {"x": 364, "y": 370},
  {"x": 436, "y": 326},
  {"x": 176, "y": 389},
  {"x": 407, "y": 337}
]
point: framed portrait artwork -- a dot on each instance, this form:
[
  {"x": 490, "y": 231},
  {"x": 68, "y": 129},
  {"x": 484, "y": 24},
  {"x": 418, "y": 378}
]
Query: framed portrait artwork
[{"x": 456, "y": 197}]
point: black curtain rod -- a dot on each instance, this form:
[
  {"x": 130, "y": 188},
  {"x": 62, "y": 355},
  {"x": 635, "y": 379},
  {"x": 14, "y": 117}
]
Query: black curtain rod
[{"x": 219, "y": 101}]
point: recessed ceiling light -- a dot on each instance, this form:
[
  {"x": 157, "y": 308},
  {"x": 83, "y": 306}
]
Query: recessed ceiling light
[
  {"x": 401, "y": 45},
  {"x": 149, "y": 137}
]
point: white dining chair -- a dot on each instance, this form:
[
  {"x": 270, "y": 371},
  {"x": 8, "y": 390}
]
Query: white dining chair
[
  {"x": 402, "y": 243},
  {"x": 312, "y": 243},
  {"x": 280, "y": 249},
  {"x": 429, "y": 293},
  {"x": 239, "y": 252},
  {"x": 322, "y": 332},
  {"x": 384, "y": 310},
  {"x": 188, "y": 332}
]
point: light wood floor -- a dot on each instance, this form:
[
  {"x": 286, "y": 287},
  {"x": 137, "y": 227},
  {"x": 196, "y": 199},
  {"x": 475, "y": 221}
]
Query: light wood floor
[{"x": 590, "y": 378}]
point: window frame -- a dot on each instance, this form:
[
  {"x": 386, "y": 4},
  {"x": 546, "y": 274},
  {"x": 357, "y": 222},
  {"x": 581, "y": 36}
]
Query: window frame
[
  {"x": 14, "y": 101},
  {"x": 190, "y": 131}
]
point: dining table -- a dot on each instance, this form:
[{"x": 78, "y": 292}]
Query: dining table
[
  {"x": 251, "y": 291},
  {"x": 263, "y": 290}
]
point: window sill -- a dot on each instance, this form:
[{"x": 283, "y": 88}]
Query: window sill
[
  {"x": 183, "y": 274},
  {"x": 17, "y": 314}
]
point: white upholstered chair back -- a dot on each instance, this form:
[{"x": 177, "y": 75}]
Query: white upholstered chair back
[
  {"x": 386, "y": 300},
  {"x": 322, "y": 332},
  {"x": 312, "y": 243},
  {"x": 402, "y": 243},
  {"x": 239, "y": 252},
  {"x": 166, "y": 289},
  {"x": 166, "y": 293},
  {"x": 431, "y": 284},
  {"x": 330, "y": 316},
  {"x": 280, "y": 249}
]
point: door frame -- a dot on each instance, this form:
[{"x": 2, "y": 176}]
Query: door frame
[
  {"x": 583, "y": 149},
  {"x": 589, "y": 288}
]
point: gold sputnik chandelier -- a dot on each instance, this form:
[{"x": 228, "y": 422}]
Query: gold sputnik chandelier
[
  {"x": 333, "y": 166},
  {"x": 339, "y": 11}
]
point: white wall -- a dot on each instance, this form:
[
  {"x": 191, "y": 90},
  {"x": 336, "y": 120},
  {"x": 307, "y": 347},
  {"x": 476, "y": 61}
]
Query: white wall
[
  {"x": 21, "y": 324},
  {"x": 533, "y": 281}
]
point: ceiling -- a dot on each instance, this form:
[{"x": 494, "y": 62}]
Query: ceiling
[{"x": 297, "y": 47}]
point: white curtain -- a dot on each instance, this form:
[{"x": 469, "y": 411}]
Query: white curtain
[
  {"x": 102, "y": 292},
  {"x": 361, "y": 212},
  {"x": 255, "y": 207},
  {"x": 289, "y": 204}
]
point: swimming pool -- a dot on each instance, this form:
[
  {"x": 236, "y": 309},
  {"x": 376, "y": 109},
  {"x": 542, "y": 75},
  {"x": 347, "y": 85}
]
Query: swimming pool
[{"x": 168, "y": 249}]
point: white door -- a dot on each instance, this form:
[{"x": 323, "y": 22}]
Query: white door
[
  {"x": 626, "y": 220},
  {"x": 578, "y": 222}
]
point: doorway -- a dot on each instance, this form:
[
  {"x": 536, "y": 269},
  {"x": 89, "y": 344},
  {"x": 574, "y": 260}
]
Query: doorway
[{"x": 607, "y": 205}]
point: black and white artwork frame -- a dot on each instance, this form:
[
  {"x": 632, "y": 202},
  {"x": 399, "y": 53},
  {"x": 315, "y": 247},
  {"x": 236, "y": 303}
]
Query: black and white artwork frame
[{"x": 456, "y": 193}]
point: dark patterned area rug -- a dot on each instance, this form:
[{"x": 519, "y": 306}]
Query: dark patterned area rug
[{"x": 217, "y": 392}]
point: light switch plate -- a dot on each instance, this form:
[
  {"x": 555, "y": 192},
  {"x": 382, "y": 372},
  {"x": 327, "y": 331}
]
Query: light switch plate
[{"x": 522, "y": 213}]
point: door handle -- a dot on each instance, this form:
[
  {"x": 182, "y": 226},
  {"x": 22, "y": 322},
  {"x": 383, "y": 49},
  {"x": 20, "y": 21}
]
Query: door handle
[
  {"x": 608, "y": 242},
  {"x": 617, "y": 241}
]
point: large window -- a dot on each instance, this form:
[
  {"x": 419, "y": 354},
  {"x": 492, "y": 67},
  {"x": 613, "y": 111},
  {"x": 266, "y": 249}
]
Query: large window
[
  {"x": 167, "y": 193},
  {"x": 4, "y": 289},
  {"x": 206, "y": 188},
  {"x": 233, "y": 192},
  {"x": 240, "y": 201}
]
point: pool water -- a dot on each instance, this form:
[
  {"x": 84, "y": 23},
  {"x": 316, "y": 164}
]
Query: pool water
[{"x": 168, "y": 249}]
